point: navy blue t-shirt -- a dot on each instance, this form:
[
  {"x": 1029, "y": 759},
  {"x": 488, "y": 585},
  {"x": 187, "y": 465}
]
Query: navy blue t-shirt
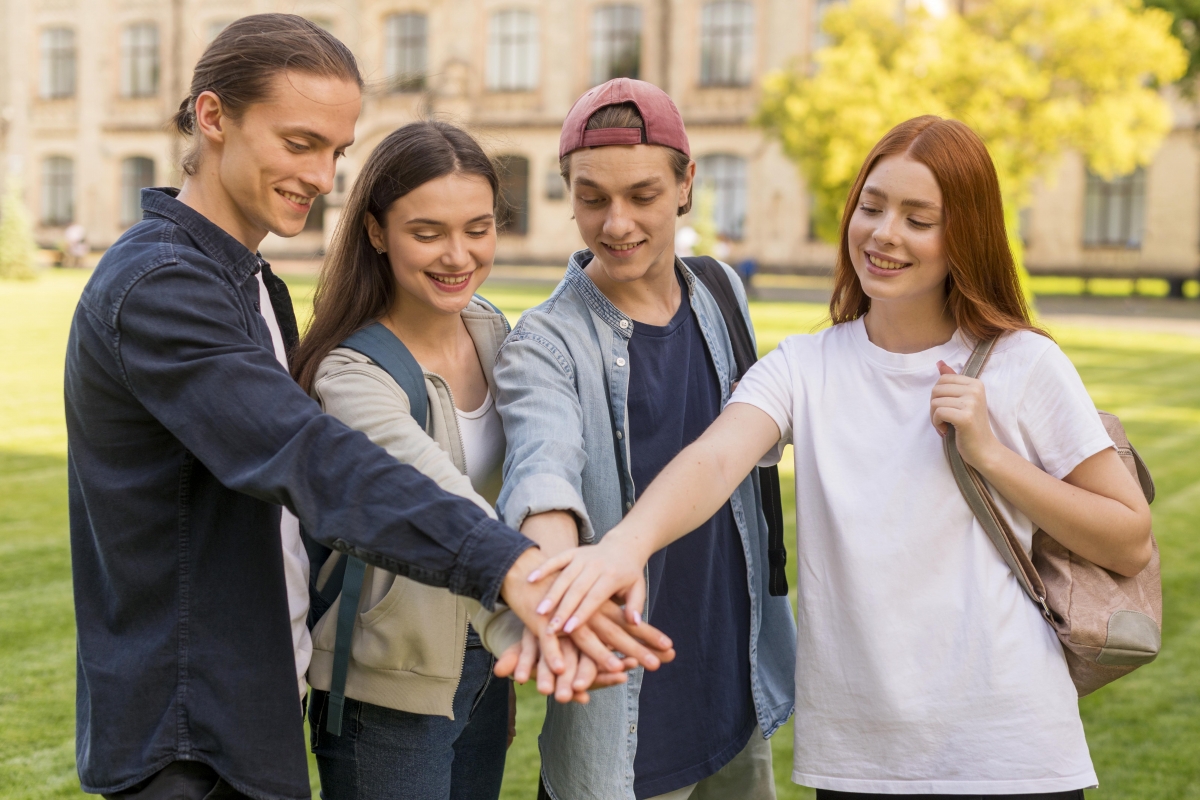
[{"x": 696, "y": 713}]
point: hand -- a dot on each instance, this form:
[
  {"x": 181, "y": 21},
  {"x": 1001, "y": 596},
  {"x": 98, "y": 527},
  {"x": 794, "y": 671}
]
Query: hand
[
  {"x": 589, "y": 577},
  {"x": 579, "y": 676},
  {"x": 960, "y": 401},
  {"x": 597, "y": 638}
]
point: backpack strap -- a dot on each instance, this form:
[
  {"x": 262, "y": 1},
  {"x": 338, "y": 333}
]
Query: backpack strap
[
  {"x": 382, "y": 346},
  {"x": 716, "y": 280}
]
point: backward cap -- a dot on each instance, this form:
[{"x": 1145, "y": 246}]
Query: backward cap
[{"x": 662, "y": 120}]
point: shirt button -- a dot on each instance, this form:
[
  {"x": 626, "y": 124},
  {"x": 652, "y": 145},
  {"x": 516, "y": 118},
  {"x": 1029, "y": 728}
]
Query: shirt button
[
  {"x": 620, "y": 362},
  {"x": 256, "y": 308},
  {"x": 624, "y": 323},
  {"x": 628, "y": 505},
  {"x": 620, "y": 435},
  {"x": 633, "y": 728}
]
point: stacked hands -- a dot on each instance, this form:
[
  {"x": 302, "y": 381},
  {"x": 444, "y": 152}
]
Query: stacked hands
[{"x": 577, "y": 625}]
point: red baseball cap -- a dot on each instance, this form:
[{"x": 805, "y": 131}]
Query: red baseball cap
[{"x": 663, "y": 123}]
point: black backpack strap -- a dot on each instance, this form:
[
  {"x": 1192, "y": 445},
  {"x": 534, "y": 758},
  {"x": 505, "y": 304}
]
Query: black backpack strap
[
  {"x": 716, "y": 280},
  {"x": 382, "y": 346}
]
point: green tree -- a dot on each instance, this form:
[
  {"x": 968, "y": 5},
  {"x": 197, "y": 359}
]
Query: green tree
[
  {"x": 1033, "y": 77},
  {"x": 17, "y": 248},
  {"x": 1187, "y": 29}
]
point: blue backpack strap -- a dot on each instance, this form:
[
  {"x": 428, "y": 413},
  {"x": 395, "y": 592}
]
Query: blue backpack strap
[{"x": 380, "y": 345}]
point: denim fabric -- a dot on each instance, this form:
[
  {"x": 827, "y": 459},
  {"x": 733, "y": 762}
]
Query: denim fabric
[
  {"x": 551, "y": 375},
  {"x": 384, "y": 754},
  {"x": 185, "y": 436},
  {"x": 181, "y": 780}
]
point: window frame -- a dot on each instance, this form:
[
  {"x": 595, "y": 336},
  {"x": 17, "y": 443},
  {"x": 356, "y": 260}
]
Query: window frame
[
  {"x": 513, "y": 52},
  {"x": 728, "y": 174},
  {"x": 730, "y": 39},
  {"x": 58, "y": 62},
  {"x": 406, "y": 52},
  {"x": 1114, "y": 211},
  {"x": 615, "y": 27},
  {"x": 134, "y": 178},
  {"x": 57, "y": 191},
  {"x": 510, "y": 209},
  {"x": 141, "y": 60}
]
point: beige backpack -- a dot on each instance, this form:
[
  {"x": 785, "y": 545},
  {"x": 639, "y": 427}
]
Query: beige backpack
[{"x": 1109, "y": 625}]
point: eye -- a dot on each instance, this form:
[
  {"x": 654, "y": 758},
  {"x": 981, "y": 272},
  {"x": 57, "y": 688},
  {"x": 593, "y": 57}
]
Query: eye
[
  {"x": 425, "y": 237},
  {"x": 298, "y": 147},
  {"x": 479, "y": 233},
  {"x": 590, "y": 201},
  {"x": 645, "y": 198},
  {"x": 868, "y": 209},
  {"x": 924, "y": 226},
  {"x": 339, "y": 154}
]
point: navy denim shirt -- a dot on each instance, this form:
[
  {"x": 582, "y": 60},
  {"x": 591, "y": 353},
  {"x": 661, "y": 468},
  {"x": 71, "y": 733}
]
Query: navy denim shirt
[{"x": 185, "y": 436}]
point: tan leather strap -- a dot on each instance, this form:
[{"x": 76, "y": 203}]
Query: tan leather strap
[{"x": 983, "y": 505}]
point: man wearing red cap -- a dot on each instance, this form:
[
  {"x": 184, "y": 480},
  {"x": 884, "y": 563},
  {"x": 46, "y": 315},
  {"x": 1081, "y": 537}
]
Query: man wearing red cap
[{"x": 599, "y": 387}]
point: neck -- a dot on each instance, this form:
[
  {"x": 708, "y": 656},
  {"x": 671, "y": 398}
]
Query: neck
[
  {"x": 204, "y": 194},
  {"x": 653, "y": 298},
  {"x": 909, "y": 325},
  {"x": 432, "y": 336}
]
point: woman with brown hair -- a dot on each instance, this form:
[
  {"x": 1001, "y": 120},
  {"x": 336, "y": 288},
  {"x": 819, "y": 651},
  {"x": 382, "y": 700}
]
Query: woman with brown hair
[{"x": 922, "y": 668}]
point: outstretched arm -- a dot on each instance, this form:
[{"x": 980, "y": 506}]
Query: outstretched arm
[{"x": 685, "y": 494}]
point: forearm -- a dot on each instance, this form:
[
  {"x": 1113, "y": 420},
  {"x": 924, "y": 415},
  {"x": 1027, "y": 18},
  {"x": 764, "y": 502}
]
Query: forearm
[
  {"x": 554, "y": 531},
  {"x": 1113, "y": 533}
]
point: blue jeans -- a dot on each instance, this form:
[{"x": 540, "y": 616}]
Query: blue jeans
[{"x": 384, "y": 754}]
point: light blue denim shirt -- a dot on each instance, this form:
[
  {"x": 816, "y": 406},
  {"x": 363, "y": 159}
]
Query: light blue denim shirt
[{"x": 559, "y": 418}]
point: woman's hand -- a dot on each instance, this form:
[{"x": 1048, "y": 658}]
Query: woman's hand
[
  {"x": 960, "y": 401},
  {"x": 588, "y": 576}
]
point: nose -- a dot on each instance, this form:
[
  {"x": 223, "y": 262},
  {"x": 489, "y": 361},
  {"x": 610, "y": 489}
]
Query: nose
[
  {"x": 618, "y": 223},
  {"x": 457, "y": 255},
  {"x": 887, "y": 231},
  {"x": 320, "y": 174}
]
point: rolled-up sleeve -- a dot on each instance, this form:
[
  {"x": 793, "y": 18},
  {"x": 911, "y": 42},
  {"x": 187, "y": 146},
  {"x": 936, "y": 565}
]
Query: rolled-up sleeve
[
  {"x": 543, "y": 425},
  {"x": 230, "y": 403}
]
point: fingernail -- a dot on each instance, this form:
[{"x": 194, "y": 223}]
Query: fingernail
[
  {"x": 553, "y": 626},
  {"x": 637, "y": 618},
  {"x": 615, "y": 665},
  {"x": 652, "y": 662},
  {"x": 543, "y": 607},
  {"x": 572, "y": 624},
  {"x": 665, "y": 642},
  {"x": 534, "y": 576}
]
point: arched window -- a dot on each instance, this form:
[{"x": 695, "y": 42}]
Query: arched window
[
  {"x": 1114, "y": 211},
  {"x": 514, "y": 195},
  {"x": 58, "y": 63},
  {"x": 58, "y": 191},
  {"x": 727, "y": 43},
  {"x": 139, "y": 60},
  {"x": 137, "y": 173},
  {"x": 405, "y": 52},
  {"x": 726, "y": 175},
  {"x": 616, "y": 43},
  {"x": 513, "y": 51}
]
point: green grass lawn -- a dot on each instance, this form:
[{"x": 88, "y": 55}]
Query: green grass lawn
[{"x": 1144, "y": 730}]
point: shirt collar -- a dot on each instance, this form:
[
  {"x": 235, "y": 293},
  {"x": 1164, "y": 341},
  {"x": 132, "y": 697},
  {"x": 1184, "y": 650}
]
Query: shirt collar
[{"x": 213, "y": 241}]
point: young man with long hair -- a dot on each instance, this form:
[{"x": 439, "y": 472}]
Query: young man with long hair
[{"x": 193, "y": 456}]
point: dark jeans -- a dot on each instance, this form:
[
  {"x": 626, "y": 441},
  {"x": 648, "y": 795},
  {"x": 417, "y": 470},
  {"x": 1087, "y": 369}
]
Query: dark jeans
[
  {"x": 181, "y": 780},
  {"x": 384, "y": 754},
  {"x": 826, "y": 794}
]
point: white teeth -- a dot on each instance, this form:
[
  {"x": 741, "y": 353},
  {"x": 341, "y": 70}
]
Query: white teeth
[
  {"x": 883, "y": 263},
  {"x": 296, "y": 198},
  {"x": 622, "y": 246},
  {"x": 449, "y": 281}
]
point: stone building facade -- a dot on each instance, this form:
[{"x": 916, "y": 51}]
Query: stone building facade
[{"x": 86, "y": 87}]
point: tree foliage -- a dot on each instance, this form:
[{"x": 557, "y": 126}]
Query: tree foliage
[
  {"x": 17, "y": 247},
  {"x": 1032, "y": 77},
  {"x": 1187, "y": 29}
]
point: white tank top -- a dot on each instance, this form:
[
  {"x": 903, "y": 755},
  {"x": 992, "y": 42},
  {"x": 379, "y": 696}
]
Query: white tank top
[{"x": 483, "y": 445}]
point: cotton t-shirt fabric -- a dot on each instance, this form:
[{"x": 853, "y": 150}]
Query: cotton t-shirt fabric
[
  {"x": 921, "y": 665},
  {"x": 295, "y": 557},
  {"x": 696, "y": 713},
  {"x": 483, "y": 445}
]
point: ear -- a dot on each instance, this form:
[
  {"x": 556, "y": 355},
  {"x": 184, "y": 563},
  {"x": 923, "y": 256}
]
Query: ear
[
  {"x": 210, "y": 118},
  {"x": 375, "y": 232},
  {"x": 685, "y": 185}
]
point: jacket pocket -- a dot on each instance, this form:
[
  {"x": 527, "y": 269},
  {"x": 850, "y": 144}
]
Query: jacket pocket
[{"x": 414, "y": 628}]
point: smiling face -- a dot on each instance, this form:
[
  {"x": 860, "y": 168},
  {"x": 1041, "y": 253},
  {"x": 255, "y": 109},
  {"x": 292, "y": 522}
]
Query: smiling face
[
  {"x": 440, "y": 240},
  {"x": 896, "y": 236},
  {"x": 281, "y": 153},
  {"x": 626, "y": 199}
]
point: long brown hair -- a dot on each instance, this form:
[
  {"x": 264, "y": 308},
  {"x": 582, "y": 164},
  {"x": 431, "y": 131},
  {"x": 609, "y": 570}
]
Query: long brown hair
[
  {"x": 356, "y": 286},
  {"x": 983, "y": 290},
  {"x": 243, "y": 59}
]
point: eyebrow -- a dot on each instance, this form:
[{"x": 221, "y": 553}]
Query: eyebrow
[
  {"x": 912, "y": 203},
  {"x": 427, "y": 221},
  {"x": 633, "y": 187}
]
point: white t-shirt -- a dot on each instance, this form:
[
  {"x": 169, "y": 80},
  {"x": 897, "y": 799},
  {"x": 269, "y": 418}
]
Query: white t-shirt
[
  {"x": 921, "y": 666},
  {"x": 483, "y": 446},
  {"x": 295, "y": 557}
]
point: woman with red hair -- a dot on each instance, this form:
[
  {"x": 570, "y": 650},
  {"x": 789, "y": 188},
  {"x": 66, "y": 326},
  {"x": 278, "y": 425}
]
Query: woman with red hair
[{"x": 922, "y": 668}]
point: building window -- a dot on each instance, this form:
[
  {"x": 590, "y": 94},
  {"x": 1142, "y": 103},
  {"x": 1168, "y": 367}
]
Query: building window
[
  {"x": 616, "y": 43},
  {"x": 726, "y": 43},
  {"x": 514, "y": 195},
  {"x": 405, "y": 52},
  {"x": 726, "y": 176},
  {"x": 58, "y": 63},
  {"x": 513, "y": 51},
  {"x": 1113, "y": 211},
  {"x": 58, "y": 191},
  {"x": 139, "y": 60},
  {"x": 137, "y": 173}
]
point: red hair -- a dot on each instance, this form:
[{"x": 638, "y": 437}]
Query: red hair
[{"x": 983, "y": 290}]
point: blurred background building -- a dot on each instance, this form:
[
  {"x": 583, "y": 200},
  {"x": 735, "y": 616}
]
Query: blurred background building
[{"x": 86, "y": 87}]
